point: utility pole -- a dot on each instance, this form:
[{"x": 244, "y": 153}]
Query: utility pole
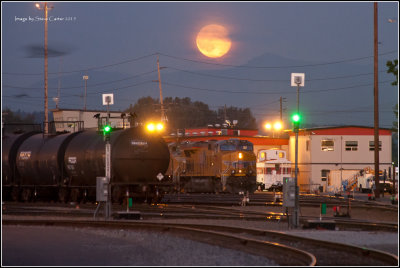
[
  {"x": 57, "y": 99},
  {"x": 224, "y": 112},
  {"x": 163, "y": 118},
  {"x": 85, "y": 77},
  {"x": 376, "y": 110},
  {"x": 46, "y": 111},
  {"x": 281, "y": 106},
  {"x": 46, "y": 108}
]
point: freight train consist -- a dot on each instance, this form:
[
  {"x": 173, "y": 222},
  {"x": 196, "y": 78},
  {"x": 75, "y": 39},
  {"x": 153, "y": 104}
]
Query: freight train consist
[
  {"x": 213, "y": 166},
  {"x": 65, "y": 166}
]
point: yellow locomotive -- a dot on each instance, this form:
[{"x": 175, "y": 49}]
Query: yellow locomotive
[{"x": 213, "y": 166}]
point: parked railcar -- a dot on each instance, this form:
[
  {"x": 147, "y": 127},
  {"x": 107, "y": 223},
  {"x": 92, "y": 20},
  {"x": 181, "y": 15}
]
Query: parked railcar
[
  {"x": 272, "y": 167},
  {"x": 213, "y": 166},
  {"x": 65, "y": 166}
]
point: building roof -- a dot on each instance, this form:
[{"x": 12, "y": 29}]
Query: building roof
[
  {"x": 342, "y": 130},
  {"x": 254, "y": 140},
  {"x": 81, "y": 110}
]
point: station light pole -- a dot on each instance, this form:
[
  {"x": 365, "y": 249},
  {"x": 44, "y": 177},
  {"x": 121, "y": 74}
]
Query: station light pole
[{"x": 46, "y": 108}]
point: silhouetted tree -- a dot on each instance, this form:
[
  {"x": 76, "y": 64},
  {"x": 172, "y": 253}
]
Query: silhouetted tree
[
  {"x": 184, "y": 113},
  {"x": 17, "y": 117}
]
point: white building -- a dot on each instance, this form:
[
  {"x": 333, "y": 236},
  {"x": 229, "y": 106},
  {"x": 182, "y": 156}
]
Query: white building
[
  {"x": 330, "y": 156},
  {"x": 72, "y": 118}
]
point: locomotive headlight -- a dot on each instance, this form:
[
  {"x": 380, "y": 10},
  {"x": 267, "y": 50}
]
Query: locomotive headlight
[{"x": 240, "y": 155}]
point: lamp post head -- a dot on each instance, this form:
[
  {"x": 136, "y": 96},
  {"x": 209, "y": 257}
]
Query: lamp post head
[{"x": 278, "y": 126}]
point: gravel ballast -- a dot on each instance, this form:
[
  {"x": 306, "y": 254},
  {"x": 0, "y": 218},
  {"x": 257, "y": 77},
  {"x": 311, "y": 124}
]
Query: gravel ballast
[{"x": 56, "y": 246}]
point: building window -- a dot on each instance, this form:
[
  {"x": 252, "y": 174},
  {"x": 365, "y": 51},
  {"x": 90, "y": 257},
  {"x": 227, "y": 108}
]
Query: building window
[
  {"x": 327, "y": 145},
  {"x": 308, "y": 145},
  {"x": 324, "y": 174},
  {"x": 261, "y": 156},
  {"x": 351, "y": 145},
  {"x": 372, "y": 146}
]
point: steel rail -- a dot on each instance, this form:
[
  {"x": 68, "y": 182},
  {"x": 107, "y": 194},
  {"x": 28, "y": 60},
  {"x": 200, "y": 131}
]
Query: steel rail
[
  {"x": 384, "y": 257},
  {"x": 282, "y": 254}
]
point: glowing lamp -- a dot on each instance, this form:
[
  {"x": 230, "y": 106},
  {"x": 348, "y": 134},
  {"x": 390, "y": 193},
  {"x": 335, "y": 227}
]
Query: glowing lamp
[{"x": 151, "y": 127}]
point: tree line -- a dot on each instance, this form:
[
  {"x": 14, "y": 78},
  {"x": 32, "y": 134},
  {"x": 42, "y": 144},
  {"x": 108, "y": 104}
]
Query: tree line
[
  {"x": 180, "y": 112},
  {"x": 185, "y": 113}
]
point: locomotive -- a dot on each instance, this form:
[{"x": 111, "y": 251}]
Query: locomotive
[
  {"x": 64, "y": 167},
  {"x": 272, "y": 167},
  {"x": 213, "y": 166}
]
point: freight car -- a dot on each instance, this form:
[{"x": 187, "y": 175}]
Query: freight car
[
  {"x": 64, "y": 167},
  {"x": 213, "y": 166}
]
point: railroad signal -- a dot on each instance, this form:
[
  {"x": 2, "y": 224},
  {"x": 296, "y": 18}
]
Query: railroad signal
[
  {"x": 107, "y": 132},
  {"x": 296, "y": 119}
]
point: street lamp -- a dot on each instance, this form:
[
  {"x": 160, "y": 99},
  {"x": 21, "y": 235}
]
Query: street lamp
[
  {"x": 277, "y": 126},
  {"x": 46, "y": 112}
]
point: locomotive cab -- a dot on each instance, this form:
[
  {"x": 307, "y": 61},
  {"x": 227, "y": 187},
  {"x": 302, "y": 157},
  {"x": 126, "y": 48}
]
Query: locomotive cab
[
  {"x": 213, "y": 166},
  {"x": 272, "y": 167}
]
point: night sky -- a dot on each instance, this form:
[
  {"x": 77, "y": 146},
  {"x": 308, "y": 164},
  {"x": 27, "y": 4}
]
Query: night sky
[{"x": 116, "y": 45}]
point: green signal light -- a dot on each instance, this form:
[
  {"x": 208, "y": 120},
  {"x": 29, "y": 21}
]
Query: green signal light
[
  {"x": 107, "y": 129},
  {"x": 296, "y": 118}
]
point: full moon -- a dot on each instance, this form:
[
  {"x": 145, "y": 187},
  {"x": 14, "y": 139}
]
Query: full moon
[{"x": 213, "y": 41}]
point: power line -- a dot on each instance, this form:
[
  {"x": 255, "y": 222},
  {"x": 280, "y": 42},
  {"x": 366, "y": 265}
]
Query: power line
[
  {"x": 204, "y": 62},
  {"x": 262, "y": 93},
  {"x": 331, "y": 89},
  {"x": 91, "y": 93},
  {"x": 90, "y": 85},
  {"x": 274, "y": 67},
  {"x": 267, "y": 80},
  {"x": 87, "y": 69}
]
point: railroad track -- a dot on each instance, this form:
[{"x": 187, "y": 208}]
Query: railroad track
[
  {"x": 178, "y": 211},
  {"x": 268, "y": 199},
  {"x": 282, "y": 248}
]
